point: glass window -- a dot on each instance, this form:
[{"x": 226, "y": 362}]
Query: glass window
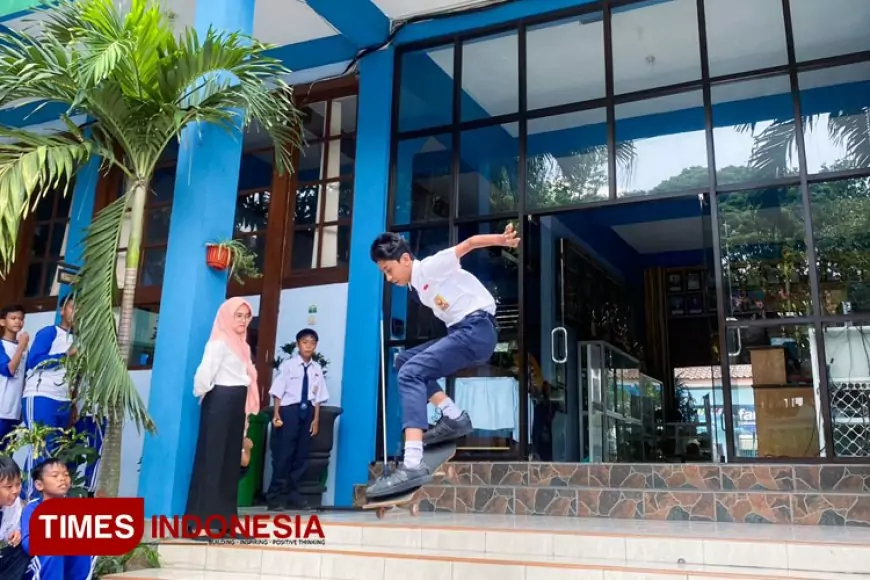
[
  {"x": 48, "y": 244},
  {"x": 661, "y": 145},
  {"x": 776, "y": 412},
  {"x": 835, "y": 104},
  {"x": 155, "y": 234},
  {"x": 841, "y": 228},
  {"x": 567, "y": 159},
  {"x": 846, "y": 348},
  {"x": 824, "y": 28},
  {"x": 489, "y": 163},
  {"x": 754, "y": 131},
  {"x": 764, "y": 261},
  {"x": 761, "y": 29},
  {"x": 426, "y": 89},
  {"x": 655, "y": 46},
  {"x": 144, "y": 338},
  {"x": 424, "y": 182},
  {"x": 490, "y": 77},
  {"x": 565, "y": 61}
]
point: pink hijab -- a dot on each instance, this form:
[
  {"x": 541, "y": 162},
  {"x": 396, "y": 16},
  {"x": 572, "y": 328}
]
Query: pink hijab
[{"x": 224, "y": 330}]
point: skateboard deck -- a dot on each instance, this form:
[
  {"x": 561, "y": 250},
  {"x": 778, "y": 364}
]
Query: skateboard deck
[{"x": 435, "y": 457}]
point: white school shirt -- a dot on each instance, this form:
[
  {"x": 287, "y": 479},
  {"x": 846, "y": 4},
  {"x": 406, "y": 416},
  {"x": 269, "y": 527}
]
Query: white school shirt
[
  {"x": 45, "y": 370},
  {"x": 11, "y": 387},
  {"x": 451, "y": 292},
  {"x": 11, "y": 519},
  {"x": 219, "y": 366},
  {"x": 288, "y": 384}
]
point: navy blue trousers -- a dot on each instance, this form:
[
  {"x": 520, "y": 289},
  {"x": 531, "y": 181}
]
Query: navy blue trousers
[
  {"x": 290, "y": 446},
  {"x": 468, "y": 343}
]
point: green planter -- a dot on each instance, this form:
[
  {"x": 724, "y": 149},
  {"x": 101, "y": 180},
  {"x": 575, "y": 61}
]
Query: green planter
[{"x": 253, "y": 480}]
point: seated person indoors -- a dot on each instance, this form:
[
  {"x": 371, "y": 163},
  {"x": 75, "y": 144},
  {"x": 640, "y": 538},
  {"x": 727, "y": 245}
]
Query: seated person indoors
[
  {"x": 13, "y": 559},
  {"x": 52, "y": 480}
]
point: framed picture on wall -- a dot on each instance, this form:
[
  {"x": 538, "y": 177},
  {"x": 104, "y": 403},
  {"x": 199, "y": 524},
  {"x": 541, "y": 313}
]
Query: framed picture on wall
[
  {"x": 675, "y": 282},
  {"x": 677, "y": 305},
  {"x": 695, "y": 303},
  {"x": 693, "y": 281}
]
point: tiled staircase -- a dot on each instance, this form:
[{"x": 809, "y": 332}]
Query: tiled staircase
[
  {"x": 480, "y": 547},
  {"x": 749, "y": 493}
]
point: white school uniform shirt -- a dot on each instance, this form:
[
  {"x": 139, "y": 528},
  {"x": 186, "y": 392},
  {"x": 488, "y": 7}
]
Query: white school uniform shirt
[
  {"x": 11, "y": 385},
  {"x": 288, "y": 384},
  {"x": 11, "y": 519},
  {"x": 219, "y": 366},
  {"x": 45, "y": 370},
  {"x": 451, "y": 292}
]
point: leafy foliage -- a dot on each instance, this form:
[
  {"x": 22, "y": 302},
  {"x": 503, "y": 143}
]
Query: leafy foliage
[
  {"x": 143, "y": 556},
  {"x": 140, "y": 86},
  {"x": 243, "y": 260},
  {"x": 289, "y": 350}
]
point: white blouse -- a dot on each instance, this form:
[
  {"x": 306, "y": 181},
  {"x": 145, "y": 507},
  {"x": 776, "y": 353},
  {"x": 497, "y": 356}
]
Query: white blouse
[{"x": 219, "y": 366}]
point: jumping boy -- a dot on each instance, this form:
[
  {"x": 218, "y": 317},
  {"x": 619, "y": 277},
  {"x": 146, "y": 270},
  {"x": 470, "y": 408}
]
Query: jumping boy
[
  {"x": 458, "y": 299},
  {"x": 298, "y": 391},
  {"x": 51, "y": 479},
  {"x": 13, "y": 559},
  {"x": 12, "y": 366},
  {"x": 47, "y": 397}
]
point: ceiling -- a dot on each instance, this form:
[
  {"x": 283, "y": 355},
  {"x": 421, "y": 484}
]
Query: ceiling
[{"x": 672, "y": 235}]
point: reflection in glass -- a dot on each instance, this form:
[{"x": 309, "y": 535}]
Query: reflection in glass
[
  {"x": 314, "y": 120},
  {"x": 835, "y": 103},
  {"x": 256, "y": 170},
  {"x": 423, "y": 179},
  {"x": 490, "y": 76},
  {"x": 409, "y": 319},
  {"x": 342, "y": 119},
  {"x": 841, "y": 228},
  {"x": 336, "y": 246},
  {"x": 252, "y": 212},
  {"x": 488, "y": 170},
  {"x": 304, "y": 256},
  {"x": 567, "y": 159},
  {"x": 426, "y": 89},
  {"x": 764, "y": 260},
  {"x": 162, "y": 185},
  {"x": 655, "y": 46},
  {"x": 846, "y": 348},
  {"x": 566, "y": 61},
  {"x": 774, "y": 378},
  {"x": 662, "y": 145},
  {"x": 753, "y": 130},
  {"x": 153, "y": 266},
  {"x": 157, "y": 225},
  {"x": 307, "y": 204},
  {"x": 762, "y": 35},
  {"x": 824, "y": 28}
]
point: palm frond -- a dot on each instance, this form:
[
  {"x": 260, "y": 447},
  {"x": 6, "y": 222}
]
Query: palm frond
[
  {"x": 99, "y": 368},
  {"x": 851, "y": 131}
]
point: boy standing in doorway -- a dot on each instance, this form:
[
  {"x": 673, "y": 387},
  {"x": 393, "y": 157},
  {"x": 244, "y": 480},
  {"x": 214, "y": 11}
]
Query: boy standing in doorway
[
  {"x": 458, "y": 299},
  {"x": 12, "y": 362},
  {"x": 298, "y": 391}
]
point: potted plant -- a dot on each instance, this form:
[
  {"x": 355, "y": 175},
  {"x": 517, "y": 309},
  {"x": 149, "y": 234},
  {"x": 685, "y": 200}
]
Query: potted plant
[{"x": 234, "y": 256}]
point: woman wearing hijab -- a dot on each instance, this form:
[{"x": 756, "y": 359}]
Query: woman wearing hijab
[{"x": 226, "y": 385}]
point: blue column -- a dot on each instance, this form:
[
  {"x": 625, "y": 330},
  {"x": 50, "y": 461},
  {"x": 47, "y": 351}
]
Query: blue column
[
  {"x": 80, "y": 215},
  {"x": 203, "y": 210},
  {"x": 357, "y": 429}
]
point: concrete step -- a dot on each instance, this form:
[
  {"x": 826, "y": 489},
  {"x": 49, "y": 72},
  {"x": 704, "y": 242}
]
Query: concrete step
[{"x": 438, "y": 547}]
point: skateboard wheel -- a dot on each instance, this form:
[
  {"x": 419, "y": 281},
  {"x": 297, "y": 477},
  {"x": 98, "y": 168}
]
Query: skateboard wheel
[
  {"x": 414, "y": 509},
  {"x": 381, "y": 512}
]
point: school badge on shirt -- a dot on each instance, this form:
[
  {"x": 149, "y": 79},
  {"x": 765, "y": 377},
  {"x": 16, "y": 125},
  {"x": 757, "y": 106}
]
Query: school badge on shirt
[{"x": 441, "y": 303}]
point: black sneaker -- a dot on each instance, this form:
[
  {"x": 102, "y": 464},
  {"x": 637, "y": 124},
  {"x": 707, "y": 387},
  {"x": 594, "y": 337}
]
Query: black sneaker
[
  {"x": 447, "y": 429},
  {"x": 401, "y": 480}
]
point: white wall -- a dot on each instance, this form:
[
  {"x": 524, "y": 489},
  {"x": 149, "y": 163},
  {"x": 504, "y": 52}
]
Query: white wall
[{"x": 329, "y": 322}]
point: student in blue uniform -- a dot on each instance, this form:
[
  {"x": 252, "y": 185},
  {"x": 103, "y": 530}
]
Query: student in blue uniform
[
  {"x": 298, "y": 391},
  {"x": 458, "y": 299},
  {"x": 52, "y": 481},
  {"x": 93, "y": 428},
  {"x": 13, "y": 359},
  {"x": 13, "y": 558},
  {"x": 46, "y": 393}
]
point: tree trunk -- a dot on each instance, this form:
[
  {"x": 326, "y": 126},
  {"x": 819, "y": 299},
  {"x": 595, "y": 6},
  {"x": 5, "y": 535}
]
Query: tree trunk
[{"x": 110, "y": 467}]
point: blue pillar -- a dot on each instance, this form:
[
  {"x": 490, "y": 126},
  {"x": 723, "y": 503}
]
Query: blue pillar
[
  {"x": 357, "y": 430},
  {"x": 80, "y": 215},
  {"x": 203, "y": 210}
]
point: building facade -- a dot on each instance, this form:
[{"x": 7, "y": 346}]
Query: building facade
[{"x": 690, "y": 178}]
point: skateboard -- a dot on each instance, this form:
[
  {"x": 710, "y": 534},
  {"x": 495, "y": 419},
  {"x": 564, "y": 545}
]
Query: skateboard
[{"x": 435, "y": 457}]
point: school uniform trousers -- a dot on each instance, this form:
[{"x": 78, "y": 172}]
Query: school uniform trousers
[{"x": 290, "y": 446}]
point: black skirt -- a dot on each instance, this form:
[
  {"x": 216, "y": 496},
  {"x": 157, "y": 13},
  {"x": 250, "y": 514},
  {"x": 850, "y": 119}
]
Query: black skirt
[
  {"x": 13, "y": 563},
  {"x": 214, "y": 483}
]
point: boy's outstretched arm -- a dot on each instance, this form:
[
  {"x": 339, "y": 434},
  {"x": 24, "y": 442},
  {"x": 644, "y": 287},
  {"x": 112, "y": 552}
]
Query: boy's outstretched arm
[{"x": 508, "y": 239}]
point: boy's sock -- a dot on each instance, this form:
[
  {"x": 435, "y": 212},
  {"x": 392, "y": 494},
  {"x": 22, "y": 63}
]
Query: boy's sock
[
  {"x": 449, "y": 408},
  {"x": 413, "y": 454}
]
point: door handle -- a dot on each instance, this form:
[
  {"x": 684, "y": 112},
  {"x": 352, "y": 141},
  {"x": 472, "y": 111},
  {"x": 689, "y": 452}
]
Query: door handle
[
  {"x": 739, "y": 339},
  {"x": 553, "y": 333}
]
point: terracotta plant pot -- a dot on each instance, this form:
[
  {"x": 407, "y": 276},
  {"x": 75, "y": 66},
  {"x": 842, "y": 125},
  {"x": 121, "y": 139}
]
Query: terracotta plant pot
[{"x": 218, "y": 257}]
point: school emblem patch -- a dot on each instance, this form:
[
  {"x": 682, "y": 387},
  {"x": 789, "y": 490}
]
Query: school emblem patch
[{"x": 441, "y": 303}]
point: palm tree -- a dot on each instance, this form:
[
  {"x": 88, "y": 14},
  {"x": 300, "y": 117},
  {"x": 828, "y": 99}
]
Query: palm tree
[{"x": 139, "y": 86}]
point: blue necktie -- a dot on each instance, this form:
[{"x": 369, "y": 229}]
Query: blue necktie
[{"x": 303, "y": 407}]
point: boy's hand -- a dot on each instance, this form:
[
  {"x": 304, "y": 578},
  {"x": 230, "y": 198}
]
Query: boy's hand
[
  {"x": 72, "y": 352},
  {"x": 509, "y": 237},
  {"x": 23, "y": 339},
  {"x": 315, "y": 427},
  {"x": 247, "y": 444},
  {"x": 277, "y": 422},
  {"x": 14, "y": 539}
]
